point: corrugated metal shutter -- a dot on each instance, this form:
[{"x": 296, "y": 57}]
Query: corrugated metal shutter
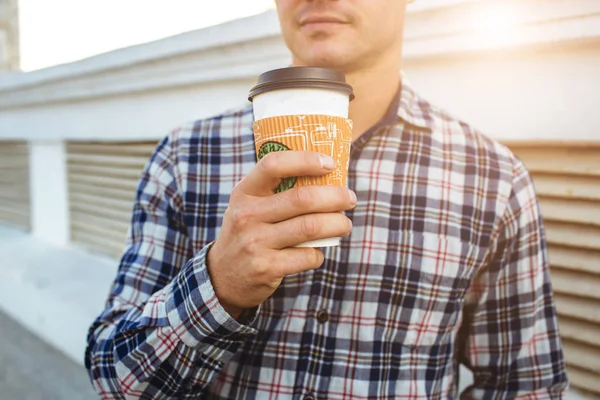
[
  {"x": 103, "y": 178},
  {"x": 14, "y": 184},
  {"x": 567, "y": 180}
]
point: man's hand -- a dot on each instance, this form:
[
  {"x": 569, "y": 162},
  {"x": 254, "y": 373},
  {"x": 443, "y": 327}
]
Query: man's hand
[{"x": 254, "y": 250}]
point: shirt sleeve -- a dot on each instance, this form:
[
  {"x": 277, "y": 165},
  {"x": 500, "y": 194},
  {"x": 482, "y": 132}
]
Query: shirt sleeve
[
  {"x": 513, "y": 345},
  {"x": 163, "y": 333}
]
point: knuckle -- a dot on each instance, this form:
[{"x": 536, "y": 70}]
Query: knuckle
[
  {"x": 236, "y": 191},
  {"x": 251, "y": 244},
  {"x": 269, "y": 163},
  {"x": 311, "y": 158},
  {"x": 240, "y": 218},
  {"x": 309, "y": 258},
  {"x": 271, "y": 285},
  {"x": 309, "y": 226},
  {"x": 238, "y": 196},
  {"x": 260, "y": 268},
  {"x": 301, "y": 196}
]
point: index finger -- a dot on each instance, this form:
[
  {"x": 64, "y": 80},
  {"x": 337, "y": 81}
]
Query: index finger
[{"x": 268, "y": 172}]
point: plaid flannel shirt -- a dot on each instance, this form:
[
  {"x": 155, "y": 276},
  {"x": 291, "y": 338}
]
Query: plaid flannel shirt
[{"x": 446, "y": 264}]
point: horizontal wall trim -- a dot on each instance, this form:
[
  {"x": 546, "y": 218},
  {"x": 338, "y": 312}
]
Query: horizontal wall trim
[
  {"x": 583, "y": 379},
  {"x": 102, "y": 202},
  {"x": 570, "y": 210},
  {"x": 104, "y": 159},
  {"x": 243, "y": 48},
  {"x": 578, "y": 307},
  {"x": 584, "y": 285},
  {"x": 580, "y": 331},
  {"x": 129, "y": 148},
  {"x": 575, "y": 259},
  {"x": 97, "y": 244},
  {"x": 566, "y": 186},
  {"x": 581, "y": 355},
  {"x": 112, "y": 192}
]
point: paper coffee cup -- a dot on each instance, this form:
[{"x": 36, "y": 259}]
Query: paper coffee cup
[{"x": 304, "y": 108}]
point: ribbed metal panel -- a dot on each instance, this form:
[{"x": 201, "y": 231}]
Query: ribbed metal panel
[
  {"x": 14, "y": 184},
  {"x": 103, "y": 178},
  {"x": 567, "y": 180}
]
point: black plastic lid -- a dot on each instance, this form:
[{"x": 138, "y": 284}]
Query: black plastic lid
[{"x": 301, "y": 77}]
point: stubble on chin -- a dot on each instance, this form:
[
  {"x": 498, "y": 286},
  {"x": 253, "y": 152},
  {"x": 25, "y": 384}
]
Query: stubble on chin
[{"x": 322, "y": 51}]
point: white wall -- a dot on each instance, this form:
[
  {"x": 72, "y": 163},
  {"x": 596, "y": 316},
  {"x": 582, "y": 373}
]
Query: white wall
[
  {"x": 129, "y": 116},
  {"x": 48, "y": 191},
  {"x": 550, "y": 94}
]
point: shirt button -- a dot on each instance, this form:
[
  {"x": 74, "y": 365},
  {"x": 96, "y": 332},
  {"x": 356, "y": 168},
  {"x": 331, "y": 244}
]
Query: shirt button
[{"x": 322, "y": 316}]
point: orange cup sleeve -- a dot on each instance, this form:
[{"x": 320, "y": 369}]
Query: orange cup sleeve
[{"x": 325, "y": 134}]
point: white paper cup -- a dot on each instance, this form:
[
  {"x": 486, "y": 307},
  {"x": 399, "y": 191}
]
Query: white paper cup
[
  {"x": 304, "y": 108},
  {"x": 300, "y": 102}
]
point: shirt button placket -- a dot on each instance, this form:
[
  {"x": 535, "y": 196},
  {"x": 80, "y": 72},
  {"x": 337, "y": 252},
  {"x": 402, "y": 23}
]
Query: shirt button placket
[{"x": 322, "y": 316}]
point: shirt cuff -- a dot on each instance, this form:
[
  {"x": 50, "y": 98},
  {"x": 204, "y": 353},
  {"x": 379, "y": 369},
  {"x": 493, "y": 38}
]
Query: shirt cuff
[{"x": 194, "y": 311}]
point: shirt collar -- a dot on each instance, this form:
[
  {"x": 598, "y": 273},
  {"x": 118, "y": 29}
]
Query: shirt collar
[{"x": 412, "y": 109}]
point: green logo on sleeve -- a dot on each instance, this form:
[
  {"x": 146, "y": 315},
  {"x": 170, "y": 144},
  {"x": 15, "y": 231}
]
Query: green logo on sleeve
[{"x": 269, "y": 147}]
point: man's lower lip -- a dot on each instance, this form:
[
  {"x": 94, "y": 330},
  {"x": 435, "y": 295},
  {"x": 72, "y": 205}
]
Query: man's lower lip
[{"x": 316, "y": 26}]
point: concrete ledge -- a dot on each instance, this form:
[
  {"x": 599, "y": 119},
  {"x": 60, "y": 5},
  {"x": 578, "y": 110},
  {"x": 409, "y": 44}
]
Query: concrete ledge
[{"x": 54, "y": 292}]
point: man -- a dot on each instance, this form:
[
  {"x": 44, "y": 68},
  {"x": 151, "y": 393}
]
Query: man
[{"x": 443, "y": 261}]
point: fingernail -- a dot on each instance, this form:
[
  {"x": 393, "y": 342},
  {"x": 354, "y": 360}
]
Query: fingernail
[
  {"x": 352, "y": 196},
  {"x": 326, "y": 161}
]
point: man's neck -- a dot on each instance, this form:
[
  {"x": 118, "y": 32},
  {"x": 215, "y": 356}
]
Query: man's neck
[{"x": 374, "y": 90}]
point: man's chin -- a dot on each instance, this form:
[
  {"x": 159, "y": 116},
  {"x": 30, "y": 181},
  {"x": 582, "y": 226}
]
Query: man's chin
[{"x": 324, "y": 60}]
